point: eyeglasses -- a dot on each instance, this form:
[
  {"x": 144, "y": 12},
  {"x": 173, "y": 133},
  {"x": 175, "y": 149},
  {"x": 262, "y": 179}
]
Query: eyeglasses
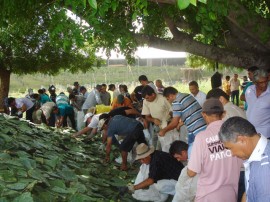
[{"x": 261, "y": 82}]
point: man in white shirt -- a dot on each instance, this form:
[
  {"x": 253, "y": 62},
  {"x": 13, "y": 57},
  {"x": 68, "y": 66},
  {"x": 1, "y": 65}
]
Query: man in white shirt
[
  {"x": 258, "y": 101},
  {"x": 156, "y": 109},
  {"x": 235, "y": 84},
  {"x": 22, "y": 105},
  {"x": 196, "y": 93},
  {"x": 230, "y": 109},
  {"x": 92, "y": 99}
]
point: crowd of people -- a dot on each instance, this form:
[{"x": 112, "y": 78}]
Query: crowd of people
[{"x": 196, "y": 147}]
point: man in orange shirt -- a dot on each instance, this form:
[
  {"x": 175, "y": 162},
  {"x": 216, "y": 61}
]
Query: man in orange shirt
[{"x": 121, "y": 101}]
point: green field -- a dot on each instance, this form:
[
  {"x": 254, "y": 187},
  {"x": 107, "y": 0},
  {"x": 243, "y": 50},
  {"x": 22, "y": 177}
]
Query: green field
[{"x": 177, "y": 76}]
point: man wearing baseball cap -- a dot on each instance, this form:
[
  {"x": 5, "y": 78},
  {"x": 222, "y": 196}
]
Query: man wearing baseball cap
[
  {"x": 92, "y": 121},
  {"x": 164, "y": 171},
  {"x": 218, "y": 170}
]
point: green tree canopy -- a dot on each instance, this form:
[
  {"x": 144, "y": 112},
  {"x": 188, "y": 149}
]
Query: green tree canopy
[
  {"x": 232, "y": 32},
  {"x": 37, "y": 36}
]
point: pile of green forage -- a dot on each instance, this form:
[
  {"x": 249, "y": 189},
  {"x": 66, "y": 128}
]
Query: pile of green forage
[{"x": 39, "y": 163}]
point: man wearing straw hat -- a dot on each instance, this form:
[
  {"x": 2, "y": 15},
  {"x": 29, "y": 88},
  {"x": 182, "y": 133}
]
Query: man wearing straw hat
[{"x": 163, "y": 169}]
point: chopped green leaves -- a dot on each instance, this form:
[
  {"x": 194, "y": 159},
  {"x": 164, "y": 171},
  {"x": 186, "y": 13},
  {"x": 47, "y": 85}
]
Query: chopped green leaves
[{"x": 44, "y": 164}]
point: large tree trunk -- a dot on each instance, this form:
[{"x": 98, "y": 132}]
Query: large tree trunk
[{"x": 4, "y": 88}]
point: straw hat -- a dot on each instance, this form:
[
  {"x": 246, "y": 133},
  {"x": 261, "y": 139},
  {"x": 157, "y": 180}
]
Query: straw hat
[{"x": 143, "y": 151}]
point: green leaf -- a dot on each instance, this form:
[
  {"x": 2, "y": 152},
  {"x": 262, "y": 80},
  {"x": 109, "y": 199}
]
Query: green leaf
[
  {"x": 58, "y": 183},
  {"x": 31, "y": 185},
  {"x": 203, "y": 1},
  {"x": 4, "y": 156},
  {"x": 145, "y": 13},
  {"x": 25, "y": 197},
  {"x": 7, "y": 176},
  {"x": 212, "y": 16},
  {"x": 28, "y": 163},
  {"x": 81, "y": 198},
  {"x": 93, "y": 4},
  {"x": 183, "y": 4},
  {"x": 68, "y": 175},
  {"x": 114, "y": 5},
  {"x": 61, "y": 190},
  {"x": 7, "y": 138},
  {"x": 3, "y": 200},
  {"x": 17, "y": 186},
  {"x": 193, "y": 2},
  {"x": 36, "y": 174},
  {"x": 134, "y": 16},
  {"x": 52, "y": 162}
]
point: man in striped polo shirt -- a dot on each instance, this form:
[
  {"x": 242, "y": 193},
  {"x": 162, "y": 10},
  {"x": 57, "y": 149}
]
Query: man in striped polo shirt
[{"x": 186, "y": 108}]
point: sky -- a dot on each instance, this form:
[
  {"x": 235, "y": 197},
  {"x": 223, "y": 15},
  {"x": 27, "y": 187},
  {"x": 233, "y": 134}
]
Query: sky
[
  {"x": 145, "y": 52},
  {"x": 142, "y": 52}
]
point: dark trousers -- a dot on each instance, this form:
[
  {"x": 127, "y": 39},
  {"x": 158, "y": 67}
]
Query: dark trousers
[
  {"x": 235, "y": 96},
  {"x": 241, "y": 186},
  {"x": 135, "y": 136},
  {"x": 72, "y": 120},
  {"x": 52, "y": 120},
  {"x": 29, "y": 113}
]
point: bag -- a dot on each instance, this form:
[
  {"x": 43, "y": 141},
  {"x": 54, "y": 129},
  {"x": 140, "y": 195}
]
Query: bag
[
  {"x": 168, "y": 139},
  {"x": 150, "y": 194},
  {"x": 147, "y": 135},
  {"x": 80, "y": 117},
  {"x": 185, "y": 188},
  {"x": 100, "y": 109}
]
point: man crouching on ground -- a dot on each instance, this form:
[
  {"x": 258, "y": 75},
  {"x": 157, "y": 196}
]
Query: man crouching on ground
[{"x": 158, "y": 173}]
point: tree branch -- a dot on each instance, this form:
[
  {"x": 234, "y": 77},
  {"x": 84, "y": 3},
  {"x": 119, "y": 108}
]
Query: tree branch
[
  {"x": 238, "y": 39},
  {"x": 164, "y": 1},
  {"x": 184, "y": 43},
  {"x": 237, "y": 12}
]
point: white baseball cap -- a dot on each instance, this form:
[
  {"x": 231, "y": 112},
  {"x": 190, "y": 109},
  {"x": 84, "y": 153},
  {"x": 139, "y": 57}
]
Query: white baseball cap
[{"x": 88, "y": 115}]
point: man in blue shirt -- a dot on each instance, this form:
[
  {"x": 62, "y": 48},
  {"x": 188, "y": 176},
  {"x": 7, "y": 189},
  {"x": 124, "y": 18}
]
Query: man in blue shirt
[
  {"x": 130, "y": 129},
  {"x": 62, "y": 112},
  {"x": 186, "y": 108},
  {"x": 240, "y": 136}
]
